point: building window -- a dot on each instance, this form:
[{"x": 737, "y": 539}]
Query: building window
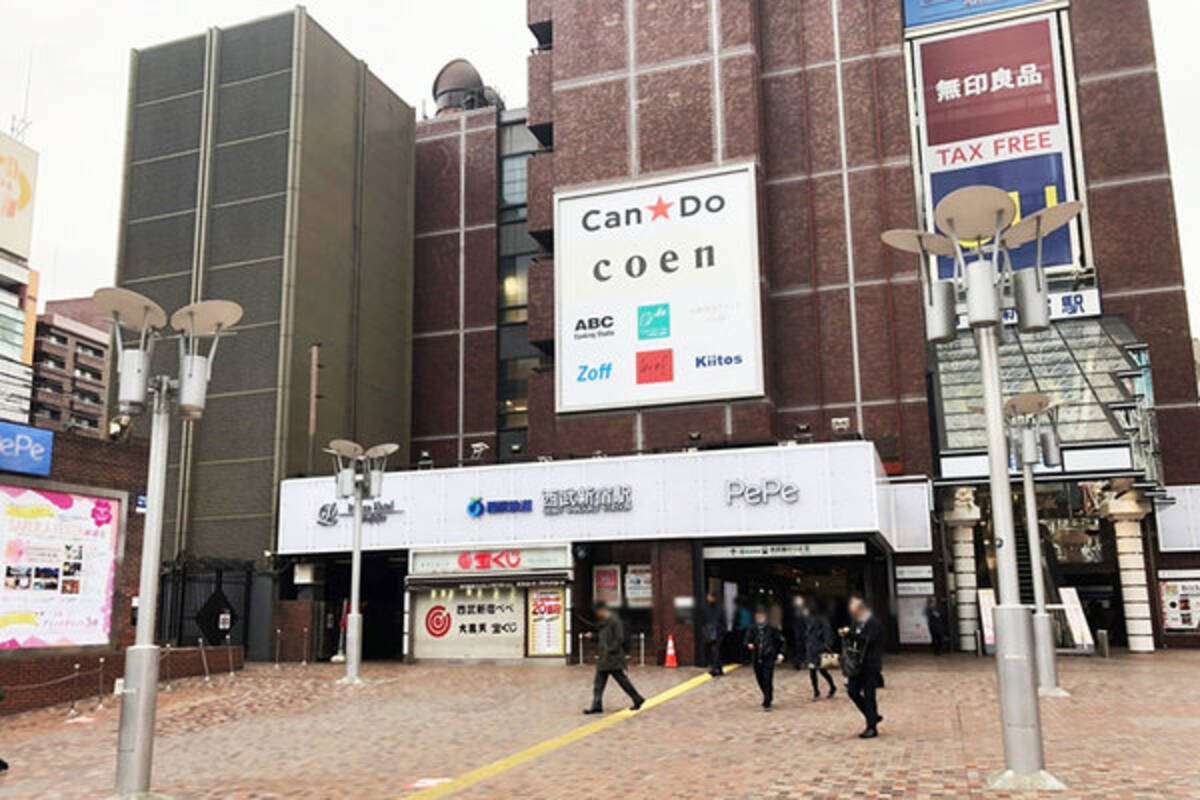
[
  {"x": 48, "y": 386},
  {"x": 88, "y": 350},
  {"x": 84, "y": 422},
  {"x": 53, "y": 362},
  {"x": 514, "y": 392},
  {"x": 87, "y": 374},
  {"x": 45, "y": 412},
  {"x": 514, "y": 288},
  {"x": 57, "y": 338},
  {"x": 513, "y": 184},
  {"x": 85, "y": 396}
]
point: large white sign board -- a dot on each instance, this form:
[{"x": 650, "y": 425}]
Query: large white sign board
[
  {"x": 657, "y": 291},
  {"x": 816, "y": 489}
]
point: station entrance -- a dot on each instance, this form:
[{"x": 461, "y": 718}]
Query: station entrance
[{"x": 771, "y": 575}]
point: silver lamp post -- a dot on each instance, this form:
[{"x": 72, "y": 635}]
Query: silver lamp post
[
  {"x": 1026, "y": 413},
  {"x": 359, "y": 475},
  {"x": 195, "y": 322},
  {"x": 977, "y": 223}
]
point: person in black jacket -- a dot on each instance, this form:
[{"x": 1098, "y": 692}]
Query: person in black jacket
[
  {"x": 765, "y": 645},
  {"x": 610, "y": 641},
  {"x": 865, "y": 637},
  {"x": 712, "y": 631},
  {"x": 818, "y": 640},
  {"x": 799, "y": 632}
]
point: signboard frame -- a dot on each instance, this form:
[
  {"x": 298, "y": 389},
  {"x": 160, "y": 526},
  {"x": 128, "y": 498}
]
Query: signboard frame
[
  {"x": 531, "y": 623},
  {"x": 1083, "y": 252},
  {"x": 122, "y": 499},
  {"x": 755, "y": 323}
]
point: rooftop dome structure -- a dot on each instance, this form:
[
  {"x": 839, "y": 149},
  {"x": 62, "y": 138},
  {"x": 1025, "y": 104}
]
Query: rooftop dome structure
[{"x": 458, "y": 87}]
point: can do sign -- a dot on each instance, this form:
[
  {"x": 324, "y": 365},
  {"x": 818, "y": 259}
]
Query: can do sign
[{"x": 657, "y": 297}]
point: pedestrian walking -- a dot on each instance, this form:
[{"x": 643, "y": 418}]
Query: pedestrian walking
[
  {"x": 712, "y": 632},
  {"x": 610, "y": 640},
  {"x": 818, "y": 642},
  {"x": 765, "y": 645},
  {"x": 862, "y": 662},
  {"x": 939, "y": 629},
  {"x": 799, "y": 623}
]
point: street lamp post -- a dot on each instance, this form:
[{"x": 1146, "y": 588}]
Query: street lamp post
[
  {"x": 208, "y": 318},
  {"x": 359, "y": 475},
  {"x": 979, "y": 234},
  {"x": 1025, "y": 413}
]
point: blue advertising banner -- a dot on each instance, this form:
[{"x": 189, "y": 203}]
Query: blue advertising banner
[
  {"x": 928, "y": 12},
  {"x": 1033, "y": 183},
  {"x": 25, "y": 449}
]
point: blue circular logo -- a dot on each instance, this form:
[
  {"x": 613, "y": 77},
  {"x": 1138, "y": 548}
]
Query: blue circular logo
[{"x": 475, "y": 507}]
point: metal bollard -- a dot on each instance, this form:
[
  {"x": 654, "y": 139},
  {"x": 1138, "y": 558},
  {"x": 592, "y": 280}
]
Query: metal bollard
[
  {"x": 72, "y": 711},
  {"x": 979, "y": 646},
  {"x": 278, "y": 634},
  {"x": 166, "y": 662},
  {"x": 304, "y": 660},
  {"x": 642, "y": 647},
  {"x": 204, "y": 659},
  {"x": 1102, "y": 643},
  {"x": 229, "y": 651},
  {"x": 581, "y": 649},
  {"x": 100, "y": 688}
]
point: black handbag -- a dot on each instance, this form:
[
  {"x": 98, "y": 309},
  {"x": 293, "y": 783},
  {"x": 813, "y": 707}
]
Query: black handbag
[{"x": 852, "y": 657}]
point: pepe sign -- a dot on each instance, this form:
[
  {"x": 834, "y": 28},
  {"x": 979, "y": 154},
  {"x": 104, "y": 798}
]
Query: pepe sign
[{"x": 639, "y": 268}]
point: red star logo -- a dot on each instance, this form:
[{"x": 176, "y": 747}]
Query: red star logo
[{"x": 660, "y": 209}]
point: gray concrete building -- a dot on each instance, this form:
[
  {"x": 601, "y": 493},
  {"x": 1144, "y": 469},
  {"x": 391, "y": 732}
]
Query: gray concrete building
[{"x": 267, "y": 165}]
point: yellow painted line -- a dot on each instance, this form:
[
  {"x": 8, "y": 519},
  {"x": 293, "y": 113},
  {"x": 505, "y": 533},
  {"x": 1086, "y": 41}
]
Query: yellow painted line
[{"x": 550, "y": 745}]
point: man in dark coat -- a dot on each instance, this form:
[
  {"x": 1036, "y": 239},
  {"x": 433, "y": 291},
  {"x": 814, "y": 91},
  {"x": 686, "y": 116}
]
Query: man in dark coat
[
  {"x": 610, "y": 640},
  {"x": 799, "y": 632},
  {"x": 765, "y": 645},
  {"x": 712, "y": 631},
  {"x": 939, "y": 630},
  {"x": 865, "y": 637}
]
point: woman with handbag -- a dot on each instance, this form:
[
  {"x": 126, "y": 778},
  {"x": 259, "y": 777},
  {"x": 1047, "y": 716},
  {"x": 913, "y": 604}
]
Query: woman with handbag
[{"x": 818, "y": 644}]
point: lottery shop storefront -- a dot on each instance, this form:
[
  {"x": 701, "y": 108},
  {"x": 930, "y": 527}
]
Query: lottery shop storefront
[{"x": 488, "y": 604}]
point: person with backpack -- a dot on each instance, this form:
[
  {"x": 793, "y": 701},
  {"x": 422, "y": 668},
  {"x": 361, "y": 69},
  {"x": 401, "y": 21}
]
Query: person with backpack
[
  {"x": 610, "y": 640},
  {"x": 765, "y": 644},
  {"x": 862, "y": 662}
]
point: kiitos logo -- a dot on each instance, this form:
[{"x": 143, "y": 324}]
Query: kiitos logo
[{"x": 703, "y": 362}]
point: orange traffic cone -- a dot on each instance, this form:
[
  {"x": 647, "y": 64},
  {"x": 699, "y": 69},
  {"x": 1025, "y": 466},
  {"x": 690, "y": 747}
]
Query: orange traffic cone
[{"x": 671, "y": 661}]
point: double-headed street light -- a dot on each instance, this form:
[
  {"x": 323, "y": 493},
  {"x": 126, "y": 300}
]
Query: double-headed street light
[
  {"x": 359, "y": 475},
  {"x": 1031, "y": 424},
  {"x": 979, "y": 234},
  {"x": 145, "y": 318}
]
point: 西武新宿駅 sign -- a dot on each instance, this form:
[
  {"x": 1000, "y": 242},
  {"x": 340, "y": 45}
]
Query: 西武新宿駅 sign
[
  {"x": 992, "y": 107},
  {"x": 931, "y": 12},
  {"x": 657, "y": 291}
]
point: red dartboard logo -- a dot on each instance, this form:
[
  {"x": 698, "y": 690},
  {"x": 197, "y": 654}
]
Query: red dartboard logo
[{"x": 437, "y": 621}]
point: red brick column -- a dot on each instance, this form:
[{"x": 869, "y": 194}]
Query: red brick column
[{"x": 672, "y": 567}]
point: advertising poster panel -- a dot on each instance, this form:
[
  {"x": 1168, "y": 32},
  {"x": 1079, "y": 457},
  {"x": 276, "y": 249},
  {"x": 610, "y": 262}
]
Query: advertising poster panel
[
  {"x": 547, "y": 622},
  {"x": 931, "y": 12},
  {"x": 657, "y": 292},
  {"x": 606, "y": 584},
  {"x": 639, "y": 586},
  {"x": 452, "y": 624},
  {"x": 18, "y": 178},
  {"x": 910, "y": 612},
  {"x": 992, "y": 106},
  {"x": 1180, "y": 605},
  {"x": 58, "y": 557}
]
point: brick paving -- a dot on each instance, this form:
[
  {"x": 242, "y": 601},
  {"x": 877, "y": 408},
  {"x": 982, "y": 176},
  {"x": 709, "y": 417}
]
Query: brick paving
[{"x": 1130, "y": 730}]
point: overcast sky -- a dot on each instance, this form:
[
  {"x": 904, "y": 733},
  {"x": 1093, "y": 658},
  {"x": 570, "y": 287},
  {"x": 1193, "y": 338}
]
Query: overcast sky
[{"x": 80, "y": 64}]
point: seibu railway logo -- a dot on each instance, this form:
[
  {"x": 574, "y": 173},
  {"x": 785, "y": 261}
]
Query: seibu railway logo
[
  {"x": 662, "y": 212},
  {"x": 438, "y": 621}
]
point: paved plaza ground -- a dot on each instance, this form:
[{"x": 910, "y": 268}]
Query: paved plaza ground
[{"x": 1130, "y": 730}]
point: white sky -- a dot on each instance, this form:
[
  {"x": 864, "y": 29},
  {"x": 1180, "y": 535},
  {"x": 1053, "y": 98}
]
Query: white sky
[{"x": 80, "y": 65}]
